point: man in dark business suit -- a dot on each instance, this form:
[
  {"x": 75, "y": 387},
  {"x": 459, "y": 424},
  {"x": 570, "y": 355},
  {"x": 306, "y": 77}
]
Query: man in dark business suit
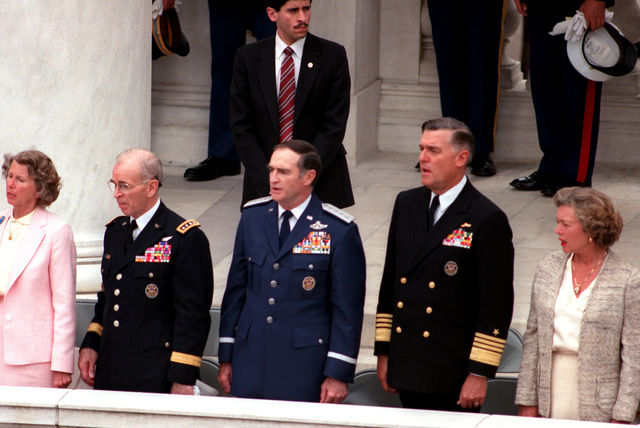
[
  {"x": 322, "y": 92},
  {"x": 152, "y": 316},
  {"x": 446, "y": 296}
]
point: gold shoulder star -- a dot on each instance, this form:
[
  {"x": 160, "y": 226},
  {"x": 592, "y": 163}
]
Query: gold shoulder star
[{"x": 496, "y": 332}]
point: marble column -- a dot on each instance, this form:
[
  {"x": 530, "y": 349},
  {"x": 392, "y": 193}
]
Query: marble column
[
  {"x": 76, "y": 84},
  {"x": 355, "y": 25}
]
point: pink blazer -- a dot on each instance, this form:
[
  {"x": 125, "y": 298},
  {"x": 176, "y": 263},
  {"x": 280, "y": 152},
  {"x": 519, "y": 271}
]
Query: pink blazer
[{"x": 38, "y": 316}]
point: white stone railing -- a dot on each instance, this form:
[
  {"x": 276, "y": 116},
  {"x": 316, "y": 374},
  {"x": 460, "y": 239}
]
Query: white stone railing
[{"x": 88, "y": 408}]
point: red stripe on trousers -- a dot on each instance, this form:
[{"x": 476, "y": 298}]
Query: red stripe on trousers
[{"x": 587, "y": 131}]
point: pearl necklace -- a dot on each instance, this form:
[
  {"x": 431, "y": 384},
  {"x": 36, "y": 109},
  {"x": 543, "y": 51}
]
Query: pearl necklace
[{"x": 577, "y": 286}]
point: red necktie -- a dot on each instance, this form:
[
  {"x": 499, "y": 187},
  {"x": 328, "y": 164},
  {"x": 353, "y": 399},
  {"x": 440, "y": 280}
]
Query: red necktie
[{"x": 286, "y": 98}]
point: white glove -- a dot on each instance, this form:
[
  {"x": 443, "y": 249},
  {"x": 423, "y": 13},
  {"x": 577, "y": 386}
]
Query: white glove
[
  {"x": 156, "y": 9},
  {"x": 575, "y": 27}
]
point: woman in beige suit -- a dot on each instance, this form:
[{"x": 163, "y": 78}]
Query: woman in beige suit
[
  {"x": 37, "y": 278},
  {"x": 581, "y": 355}
]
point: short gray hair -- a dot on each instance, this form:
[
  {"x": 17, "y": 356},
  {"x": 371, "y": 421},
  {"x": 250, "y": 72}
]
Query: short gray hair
[
  {"x": 150, "y": 165},
  {"x": 461, "y": 138}
]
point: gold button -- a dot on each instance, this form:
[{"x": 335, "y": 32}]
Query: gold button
[
  {"x": 116, "y": 308},
  {"x": 167, "y": 344},
  {"x": 400, "y": 305},
  {"x": 398, "y": 329},
  {"x": 429, "y": 310},
  {"x": 432, "y": 285},
  {"x": 116, "y": 292},
  {"x": 403, "y": 280},
  {"x": 150, "y": 274},
  {"x": 116, "y": 323},
  {"x": 119, "y": 276},
  {"x": 425, "y": 334},
  {"x": 320, "y": 341}
]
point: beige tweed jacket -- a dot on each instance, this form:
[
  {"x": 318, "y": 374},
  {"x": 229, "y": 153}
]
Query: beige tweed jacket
[{"x": 609, "y": 343}]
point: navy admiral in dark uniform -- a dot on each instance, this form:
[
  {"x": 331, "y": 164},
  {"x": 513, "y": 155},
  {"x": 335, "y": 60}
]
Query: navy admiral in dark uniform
[
  {"x": 446, "y": 296},
  {"x": 152, "y": 316},
  {"x": 292, "y": 311}
]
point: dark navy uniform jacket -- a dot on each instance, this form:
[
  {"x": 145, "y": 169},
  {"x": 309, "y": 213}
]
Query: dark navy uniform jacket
[
  {"x": 446, "y": 296},
  {"x": 293, "y": 316},
  {"x": 152, "y": 318}
]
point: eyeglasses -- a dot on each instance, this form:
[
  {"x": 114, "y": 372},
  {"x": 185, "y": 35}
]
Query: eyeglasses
[{"x": 124, "y": 187}]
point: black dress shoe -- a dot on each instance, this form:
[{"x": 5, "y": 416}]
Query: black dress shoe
[
  {"x": 482, "y": 165},
  {"x": 536, "y": 181},
  {"x": 554, "y": 185},
  {"x": 212, "y": 168}
]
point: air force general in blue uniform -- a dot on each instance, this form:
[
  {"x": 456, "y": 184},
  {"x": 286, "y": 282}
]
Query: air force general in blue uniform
[{"x": 292, "y": 315}]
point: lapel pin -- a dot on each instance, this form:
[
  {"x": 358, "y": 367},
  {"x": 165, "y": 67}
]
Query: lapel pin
[
  {"x": 124, "y": 223},
  {"x": 465, "y": 225},
  {"x": 310, "y": 65},
  {"x": 157, "y": 226},
  {"x": 310, "y": 218}
]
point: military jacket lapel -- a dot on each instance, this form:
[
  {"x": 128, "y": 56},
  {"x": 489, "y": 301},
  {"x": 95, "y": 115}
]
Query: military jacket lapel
[
  {"x": 452, "y": 218},
  {"x": 270, "y": 228},
  {"x": 149, "y": 236}
]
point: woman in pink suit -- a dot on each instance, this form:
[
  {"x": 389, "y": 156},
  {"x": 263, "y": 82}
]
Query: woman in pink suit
[{"x": 37, "y": 278}]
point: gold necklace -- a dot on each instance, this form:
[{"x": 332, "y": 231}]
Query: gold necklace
[
  {"x": 11, "y": 232},
  {"x": 577, "y": 286}
]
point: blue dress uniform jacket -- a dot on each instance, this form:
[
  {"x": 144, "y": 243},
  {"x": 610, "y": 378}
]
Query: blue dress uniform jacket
[
  {"x": 152, "y": 318},
  {"x": 293, "y": 316},
  {"x": 446, "y": 296}
]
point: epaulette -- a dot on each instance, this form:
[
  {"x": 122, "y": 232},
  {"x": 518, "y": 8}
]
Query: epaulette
[
  {"x": 112, "y": 221},
  {"x": 337, "y": 212},
  {"x": 187, "y": 225},
  {"x": 257, "y": 201}
]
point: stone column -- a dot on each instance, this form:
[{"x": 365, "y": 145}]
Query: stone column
[
  {"x": 76, "y": 84},
  {"x": 355, "y": 25}
]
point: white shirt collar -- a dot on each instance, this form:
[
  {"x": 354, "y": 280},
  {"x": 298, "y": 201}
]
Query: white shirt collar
[
  {"x": 297, "y": 212},
  {"x": 297, "y": 47},
  {"x": 144, "y": 219},
  {"x": 447, "y": 198}
]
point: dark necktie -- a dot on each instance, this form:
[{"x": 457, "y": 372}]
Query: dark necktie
[
  {"x": 286, "y": 98},
  {"x": 285, "y": 228},
  {"x": 129, "y": 238},
  {"x": 432, "y": 211}
]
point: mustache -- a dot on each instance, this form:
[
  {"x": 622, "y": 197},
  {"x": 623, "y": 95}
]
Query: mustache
[{"x": 301, "y": 25}]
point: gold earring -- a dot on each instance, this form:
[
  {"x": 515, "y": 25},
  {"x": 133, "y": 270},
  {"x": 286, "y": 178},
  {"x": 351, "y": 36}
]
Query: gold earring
[{"x": 590, "y": 239}]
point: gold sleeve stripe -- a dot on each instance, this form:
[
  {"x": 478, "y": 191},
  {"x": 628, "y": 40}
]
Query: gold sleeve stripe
[
  {"x": 485, "y": 357},
  {"x": 383, "y": 327},
  {"x": 488, "y": 348},
  {"x": 383, "y": 334},
  {"x": 478, "y": 341},
  {"x": 496, "y": 340},
  {"x": 96, "y": 328},
  {"x": 191, "y": 360}
]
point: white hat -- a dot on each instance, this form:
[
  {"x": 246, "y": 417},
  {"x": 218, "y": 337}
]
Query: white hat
[{"x": 601, "y": 54}]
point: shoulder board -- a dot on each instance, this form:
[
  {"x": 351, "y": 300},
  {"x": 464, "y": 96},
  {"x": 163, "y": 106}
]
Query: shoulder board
[
  {"x": 112, "y": 221},
  {"x": 187, "y": 225},
  {"x": 257, "y": 201},
  {"x": 337, "y": 212}
]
